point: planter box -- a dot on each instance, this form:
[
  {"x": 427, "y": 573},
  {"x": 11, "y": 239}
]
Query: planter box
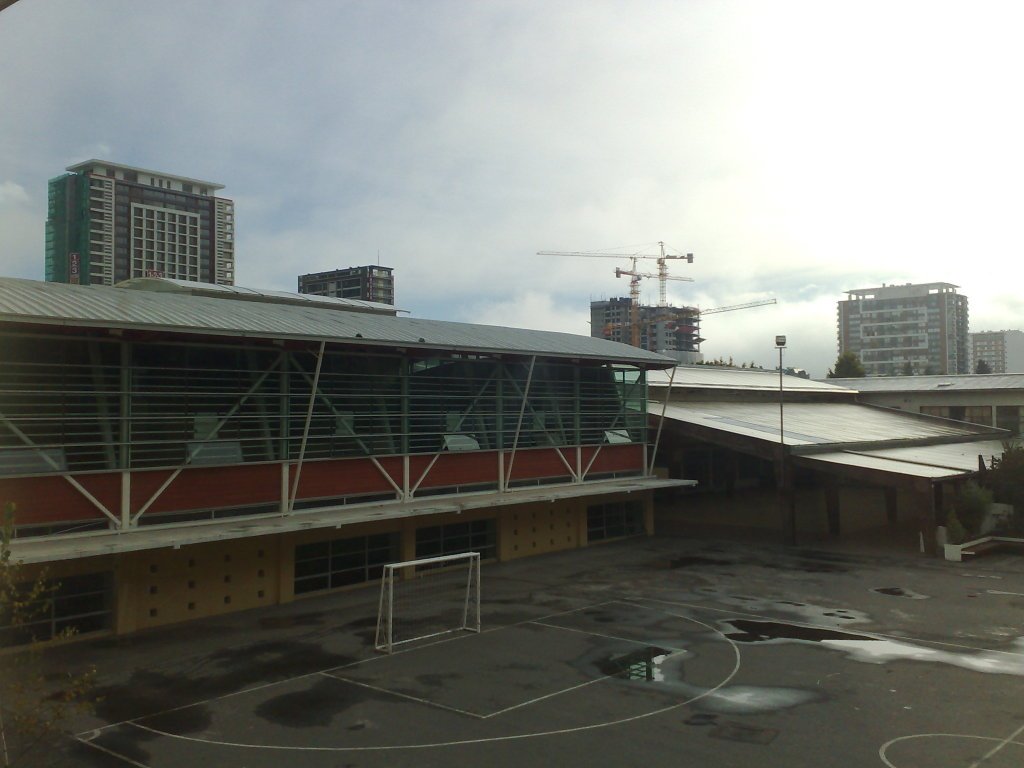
[{"x": 955, "y": 552}]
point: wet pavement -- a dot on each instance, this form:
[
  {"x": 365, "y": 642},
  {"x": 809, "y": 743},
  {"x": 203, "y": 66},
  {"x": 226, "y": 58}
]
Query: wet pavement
[{"x": 661, "y": 651}]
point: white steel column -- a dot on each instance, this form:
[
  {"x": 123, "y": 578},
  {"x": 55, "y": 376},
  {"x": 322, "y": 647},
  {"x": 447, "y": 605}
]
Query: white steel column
[{"x": 305, "y": 428}]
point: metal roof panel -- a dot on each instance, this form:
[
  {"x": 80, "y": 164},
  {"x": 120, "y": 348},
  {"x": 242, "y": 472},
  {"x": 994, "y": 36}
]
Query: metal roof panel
[{"x": 35, "y": 302}]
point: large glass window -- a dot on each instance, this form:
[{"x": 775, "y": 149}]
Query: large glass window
[
  {"x": 79, "y": 603},
  {"x": 615, "y": 520},
  {"x": 101, "y": 404},
  {"x": 330, "y": 564},
  {"x": 455, "y": 538}
]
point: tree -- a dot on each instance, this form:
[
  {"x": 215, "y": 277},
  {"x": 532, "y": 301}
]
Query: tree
[
  {"x": 33, "y": 716},
  {"x": 848, "y": 366},
  {"x": 1006, "y": 479},
  {"x": 982, "y": 367}
]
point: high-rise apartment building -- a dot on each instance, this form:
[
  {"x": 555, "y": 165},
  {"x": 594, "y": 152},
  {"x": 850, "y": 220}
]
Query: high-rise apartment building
[
  {"x": 370, "y": 283},
  {"x": 902, "y": 329},
  {"x": 670, "y": 331},
  {"x": 1002, "y": 351},
  {"x": 108, "y": 222}
]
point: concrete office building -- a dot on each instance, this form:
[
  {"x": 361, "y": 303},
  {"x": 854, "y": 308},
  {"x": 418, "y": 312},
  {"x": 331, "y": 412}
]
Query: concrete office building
[
  {"x": 906, "y": 329},
  {"x": 108, "y": 222},
  {"x": 670, "y": 331},
  {"x": 370, "y": 283},
  {"x": 219, "y": 448},
  {"x": 1003, "y": 351}
]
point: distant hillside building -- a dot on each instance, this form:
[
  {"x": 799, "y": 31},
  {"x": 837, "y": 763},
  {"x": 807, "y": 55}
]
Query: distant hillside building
[
  {"x": 1002, "y": 350},
  {"x": 670, "y": 331},
  {"x": 370, "y": 283},
  {"x": 108, "y": 222},
  {"x": 898, "y": 329}
]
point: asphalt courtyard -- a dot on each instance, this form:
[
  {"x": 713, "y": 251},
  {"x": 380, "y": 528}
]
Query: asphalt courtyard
[{"x": 654, "y": 651}]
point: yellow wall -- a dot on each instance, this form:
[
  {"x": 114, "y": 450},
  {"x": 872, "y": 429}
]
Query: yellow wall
[{"x": 154, "y": 588}]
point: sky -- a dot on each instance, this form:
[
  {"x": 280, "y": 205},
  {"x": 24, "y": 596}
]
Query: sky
[{"x": 797, "y": 149}]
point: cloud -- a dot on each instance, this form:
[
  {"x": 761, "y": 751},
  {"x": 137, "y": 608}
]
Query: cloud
[{"x": 798, "y": 149}]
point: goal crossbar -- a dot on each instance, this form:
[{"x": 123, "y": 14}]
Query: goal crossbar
[{"x": 428, "y": 597}]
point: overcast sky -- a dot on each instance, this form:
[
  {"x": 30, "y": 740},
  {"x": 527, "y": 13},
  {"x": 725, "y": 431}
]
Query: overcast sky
[{"x": 797, "y": 149}]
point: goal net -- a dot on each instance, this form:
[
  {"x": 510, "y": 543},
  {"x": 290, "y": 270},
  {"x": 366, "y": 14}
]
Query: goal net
[{"x": 429, "y": 597}]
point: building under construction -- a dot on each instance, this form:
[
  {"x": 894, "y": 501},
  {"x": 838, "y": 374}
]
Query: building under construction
[{"x": 671, "y": 331}]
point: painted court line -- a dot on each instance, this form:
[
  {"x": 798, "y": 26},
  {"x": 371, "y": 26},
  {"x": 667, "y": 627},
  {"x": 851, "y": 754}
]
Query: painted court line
[
  {"x": 283, "y": 681},
  {"x": 482, "y": 740},
  {"x": 884, "y": 749},
  {"x": 111, "y": 752},
  {"x": 396, "y": 694},
  {"x": 998, "y": 747}
]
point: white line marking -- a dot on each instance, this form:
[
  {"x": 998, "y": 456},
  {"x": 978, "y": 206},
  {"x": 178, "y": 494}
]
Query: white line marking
[
  {"x": 410, "y": 697},
  {"x": 546, "y": 696},
  {"x": 1009, "y": 739},
  {"x": 882, "y": 750},
  {"x": 112, "y": 753},
  {"x": 375, "y": 657},
  {"x": 1001, "y": 592},
  {"x": 488, "y": 739}
]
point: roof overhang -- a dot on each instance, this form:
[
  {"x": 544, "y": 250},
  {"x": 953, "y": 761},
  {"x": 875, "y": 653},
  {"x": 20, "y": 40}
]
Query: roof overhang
[{"x": 176, "y": 535}]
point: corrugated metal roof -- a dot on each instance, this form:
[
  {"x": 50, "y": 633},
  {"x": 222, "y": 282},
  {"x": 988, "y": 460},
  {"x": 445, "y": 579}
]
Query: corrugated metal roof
[
  {"x": 977, "y": 382},
  {"x": 717, "y": 377},
  {"x": 835, "y": 424},
  {"x": 31, "y": 301},
  {"x": 931, "y": 461},
  {"x": 171, "y": 285},
  {"x": 818, "y": 423}
]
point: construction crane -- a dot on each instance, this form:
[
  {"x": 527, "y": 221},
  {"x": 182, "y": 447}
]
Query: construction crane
[
  {"x": 730, "y": 308},
  {"x": 634, "y": 275}
]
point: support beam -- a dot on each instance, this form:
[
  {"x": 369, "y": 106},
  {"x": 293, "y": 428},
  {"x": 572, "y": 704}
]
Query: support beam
[
  {"x": 305, "y": 427},
  {"x": 519, "y": 423},
  {"x": 661, "y": 421},
  {"x": 924, "y": 503},
  {"x": 207, "y": 439}
]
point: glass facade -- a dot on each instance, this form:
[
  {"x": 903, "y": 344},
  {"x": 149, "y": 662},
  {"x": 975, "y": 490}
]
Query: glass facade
[{"x": 95, "y": 404}]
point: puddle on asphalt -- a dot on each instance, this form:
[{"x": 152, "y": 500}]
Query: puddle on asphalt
[
  {"x": 808, "y": 613},
  {"x": 899, "y": 592},
  {"x": 642, "y": 664},
  {"x": 665, "y": 669},
  {"x": 877, "y": 650}
]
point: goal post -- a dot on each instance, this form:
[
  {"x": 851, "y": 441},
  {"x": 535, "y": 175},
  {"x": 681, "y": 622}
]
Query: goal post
[{"x": 425, "y": 598}]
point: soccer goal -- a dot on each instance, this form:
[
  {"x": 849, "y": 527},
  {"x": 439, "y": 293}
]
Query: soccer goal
[{"x": 429, "y": 597}]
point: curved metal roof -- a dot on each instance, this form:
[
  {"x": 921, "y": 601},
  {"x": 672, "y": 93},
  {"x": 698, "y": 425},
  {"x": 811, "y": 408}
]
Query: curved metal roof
[
  {"x": 170, "y": 285},
  {"x": 963, "y": 382},
  {"x": 35, "y": 302},
  {"x": 714, "y": 377}
]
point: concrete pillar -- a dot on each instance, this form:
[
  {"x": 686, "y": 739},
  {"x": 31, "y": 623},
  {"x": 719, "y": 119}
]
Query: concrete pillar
[{"x": 924, "y": 502}]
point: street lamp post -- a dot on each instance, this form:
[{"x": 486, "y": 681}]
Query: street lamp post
[
  {"x": 786, "y": 499},
  {"x": 780, "y": 342}
]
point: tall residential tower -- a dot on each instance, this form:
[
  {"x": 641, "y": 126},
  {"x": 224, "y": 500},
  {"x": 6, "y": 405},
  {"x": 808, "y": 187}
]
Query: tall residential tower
[
  {"x": 903, "y": 329},
  {"x": 108, "y": 222},
  {"x": 370, "y": 283}
]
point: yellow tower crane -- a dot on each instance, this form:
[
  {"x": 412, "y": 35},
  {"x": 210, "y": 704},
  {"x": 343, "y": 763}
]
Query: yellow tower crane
[{"x": 635, "y": 275}]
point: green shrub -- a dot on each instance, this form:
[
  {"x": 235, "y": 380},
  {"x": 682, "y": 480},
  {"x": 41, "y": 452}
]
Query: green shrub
[
  {"x": 955, "y": 533},
  {"x": 971, "y": 504}
]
